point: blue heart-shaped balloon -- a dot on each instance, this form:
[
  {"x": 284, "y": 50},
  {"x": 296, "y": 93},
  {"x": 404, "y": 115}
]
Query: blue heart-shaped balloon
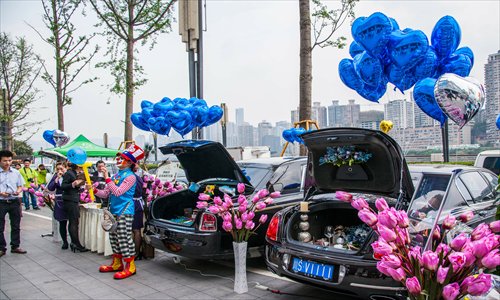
[
  {"x": 459, "y": 64},
  {"x": 199, "y": 115},
  {"x": 159, "y": 125},
  {"x": 355, "y": 49},
  {"x": 139, "y": 121},
  {"x": 48, "y": 135},
  {"x": 372, "y": 32},
  {"x": 178, "y": 119},
  {"x": 149, "y": 112},
  {"x": 423, "y": 93},
  {"x": 186, "y": 130},
  {"x": 182, "y": 104},
  {"x": 467, "y": 52},
  {"x": 146, "y": 104},
  {"x": 395, "y": 25},
  {"x": 407, "y": 48},
  {"x": 287, "y": 135},
  {"x": 403, "y": 80},
  {"x": 77, "y": 155},
  {"x": 498, "y": 121},
  {"x": 446, "y": 36},
  {"x": 161, "y": 108},
  {"x": 215, "y": 113},
  {"x": 348, "y": 75},
  {"x": 368, "y": 68},
  {"x": 373, "y": 93},
  {"x": 427, "y": 67}
]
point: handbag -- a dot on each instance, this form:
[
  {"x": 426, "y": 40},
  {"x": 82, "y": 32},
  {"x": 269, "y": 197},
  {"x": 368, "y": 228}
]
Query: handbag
[{"x": 108, "y": 221}]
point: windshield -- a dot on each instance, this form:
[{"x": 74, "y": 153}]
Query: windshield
[
  {"x": 425, "y": 205},
  {"x": 257, "y": 176}
]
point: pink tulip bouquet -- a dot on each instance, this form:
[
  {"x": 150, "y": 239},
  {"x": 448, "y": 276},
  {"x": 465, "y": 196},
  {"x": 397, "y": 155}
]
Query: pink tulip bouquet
[
  {"x": 449, "y": 270},
  {"x": 43, "y": 196},
  {"x": 154, "y": 187},
  {"x": 238, "y": 218}
]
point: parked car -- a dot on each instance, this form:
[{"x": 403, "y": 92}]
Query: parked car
[
  {"x": 175, "y": 225},
  {"x": 346, "y": 265},
  {"x": 490, "y": 160}
]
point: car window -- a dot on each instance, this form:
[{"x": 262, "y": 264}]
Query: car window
[
  {"x": 463, "y": 190},
  {"x": 255, "y": 174},
  {"x": 415, "y": 177},
  {"x": 454, "y": 200},
  {"x": 287, "y": 178},
  {"x": 476, "y": 185},
  {"x": 492, "y": 163},
  {"x": 492, "y": 179}
]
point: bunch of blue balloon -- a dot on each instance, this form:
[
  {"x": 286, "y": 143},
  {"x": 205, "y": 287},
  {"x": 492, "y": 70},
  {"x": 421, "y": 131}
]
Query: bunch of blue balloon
[
  {"x": 293, "y": 135},
  {"x": 181, "y": 114},
  {"x": 56, "y": 137},
  {"x": 383, "y": 53}
]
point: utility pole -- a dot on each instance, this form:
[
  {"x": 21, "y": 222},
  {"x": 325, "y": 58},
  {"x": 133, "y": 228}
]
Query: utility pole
[
  {"x": 446, "y": 146},
  {"x": 223, "y": 123},
  {"x": 191, "y": 30},
  {"x": 105, "y": 139}
]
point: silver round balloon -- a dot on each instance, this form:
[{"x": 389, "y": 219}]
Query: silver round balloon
[
  {"x": 458, "y": 97},
  {"x": 61, "y": 138}
]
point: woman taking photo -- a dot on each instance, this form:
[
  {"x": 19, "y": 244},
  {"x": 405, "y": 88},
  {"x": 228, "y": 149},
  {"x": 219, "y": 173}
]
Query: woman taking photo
[
  {"x": 59, "y": 214},
  {"x": 71, "y": 198}
]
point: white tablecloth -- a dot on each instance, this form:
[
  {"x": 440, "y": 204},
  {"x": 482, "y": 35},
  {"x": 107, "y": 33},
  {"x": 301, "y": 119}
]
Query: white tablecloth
[{"x": 92, "y": 236}]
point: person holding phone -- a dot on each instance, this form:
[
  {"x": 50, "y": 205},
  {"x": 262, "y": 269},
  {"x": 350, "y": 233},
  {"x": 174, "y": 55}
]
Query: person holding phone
[
  {"x": 11, "y": 185},
  {"x": 30, "y": 177}
]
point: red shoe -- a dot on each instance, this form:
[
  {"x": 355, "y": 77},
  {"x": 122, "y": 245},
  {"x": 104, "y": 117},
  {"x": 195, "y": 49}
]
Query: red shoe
[
  {"x": 129, "y": 269},
  {"x": 116, "y": 265}
]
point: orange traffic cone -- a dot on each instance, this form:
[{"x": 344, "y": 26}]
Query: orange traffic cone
[
  {"x": 115, "y": 266},
  {"x": 129, "y": 269}
]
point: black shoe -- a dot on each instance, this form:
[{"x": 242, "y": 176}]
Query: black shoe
[
  {"x": 36, "y": 208},
  {"x": 78, "y": 248},
  {"x": 27, "y": 208},
  {"x": 18, "y": 250},
  {"x": 139, "y": 256},
  {"x": 64, "y": 245}
]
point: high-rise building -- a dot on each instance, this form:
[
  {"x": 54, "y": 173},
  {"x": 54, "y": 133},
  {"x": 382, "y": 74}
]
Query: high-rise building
[
  {"x": 294, "y": 116},
  {"x": 400, "y": 112},
  {"x": 492, "y": 89},
  {"x": 231, "y": 134},
  {"x": 343, "y": 115},
  {"x": 319, "y": 114},
  {"x": 263, "y": 128},
  {"x": 370, "y": 119},
  {"x": 245, "y": 135},
  {"x": 240, "y": 116},
  {"x": 421, "y": 118}
]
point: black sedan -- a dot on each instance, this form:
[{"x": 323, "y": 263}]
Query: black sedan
[
  {"x": 175, "y": 225},
  {"x": 325, "y": 244}
]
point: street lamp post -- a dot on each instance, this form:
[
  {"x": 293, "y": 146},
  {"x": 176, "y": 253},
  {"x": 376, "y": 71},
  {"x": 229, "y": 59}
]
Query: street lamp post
[{"x": 223, "y": 123}]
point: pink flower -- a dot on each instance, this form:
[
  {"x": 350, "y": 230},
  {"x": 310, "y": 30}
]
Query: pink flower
[
  {"x": 275, "y": 194},
  {"x": 383, "y": 268},
  {"x": 469, "y": 256},
  {"x": 403, "y": 220},
  {"x": 466, "y": 216},
  {"x": 31, "y": 190},
  {"x": 25, "y": 189},
  {"x": 397, "y": 274},
  {"x": 449, "y": 222},
  {"x": 162, "y": 193},
  {"x": 242, "y": 208},
  {"x": 436, "y": 233},
  {"x": 214, "y": 209},
  {"x": 381, "y": 248},
  {"x": 441, "y": 274},
  {"x": 386, "y": 233},
  {"x": 491, "y": 260},
  {"x": 413, "y": 286},
  {"x": 495, "y": 226},
  {"x": 359, "y": 203},
  {"x": 240, "y": 188},
  {"x": 268, "y": 201},
  {"x": 367, "y": 217},
  {"x": 203, "y": 197},
  {"x": 157, "y": 181},
  {"x": 38, "y": 194},
  {"x": 217, "y": 200},
  {"x": 201, "y": 204},
  {"x": 251, "y": 215},
  {"x": 263, "y": 219},
  {"x": 391, "y": 261},
  {"x": 457, "y": 260},
  {"x": 458, "y": 242},
  {"x": 32, "y": 185},
  {"x": 228, "y": 201},
  {"x": 430, "y": 260},
  {"x": 387, "y": 218},
  {"x": 227, "y": 217},
  {"x": 480, "y": 248},
  {"x": 237, "y": 222},
  {"x": 381, "y": 204},
  {"x": 402, "y": 236},
  {"x": 244, "y": 217},
  {"x": 241, "y": 199},
  {"x": 250, "y": 225},
  {"x": 451, "y": 291},
  {"x": 255, "y": 199},
  {"x": 263, "y": 193},
  {"x": 260, "y": 206},
  {"x": 343, "y": 196},
  {"x": 443, "y": 248},
  {"x": 480, "y": 231},
  {"x": 480, "y": 285},
  {"x": 227, "y": 226}
]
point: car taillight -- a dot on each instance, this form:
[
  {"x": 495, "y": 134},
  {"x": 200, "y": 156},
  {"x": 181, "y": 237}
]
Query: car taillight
[
  {"x": 208, "y": 222},
  {"x": 272, "y": 229}
]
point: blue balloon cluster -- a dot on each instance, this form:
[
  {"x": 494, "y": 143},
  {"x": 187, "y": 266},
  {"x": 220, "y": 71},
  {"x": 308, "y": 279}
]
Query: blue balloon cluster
[
  {"x": 383, "y": 53},
  {"x": 180, "y": 114},
  {"x": 498, "y": 122},
  {"x": 293, "y": 135}
]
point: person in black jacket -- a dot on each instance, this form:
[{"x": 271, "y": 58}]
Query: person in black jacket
[
  {"x": 71, "y": 197},
  {"x": 59, "y": 214},
  {"x": 98, "y": 176}
]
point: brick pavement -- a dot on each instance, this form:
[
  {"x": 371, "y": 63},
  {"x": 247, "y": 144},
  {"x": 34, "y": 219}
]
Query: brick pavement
[{"x": 47, "y": 272}]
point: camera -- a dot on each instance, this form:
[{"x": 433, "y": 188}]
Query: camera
[{"x": 31, "y": 180}]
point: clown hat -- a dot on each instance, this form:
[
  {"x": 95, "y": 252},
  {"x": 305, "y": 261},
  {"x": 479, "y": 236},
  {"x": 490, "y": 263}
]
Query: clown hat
[{"x": 133, "y": 153}]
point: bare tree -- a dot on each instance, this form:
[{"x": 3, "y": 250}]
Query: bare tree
[
  {"x": 127, "y": 22},
  {"x": 19, "y": 69},
  {"x": 70, "y": 53},
  {"x": 319, "y": 33}
]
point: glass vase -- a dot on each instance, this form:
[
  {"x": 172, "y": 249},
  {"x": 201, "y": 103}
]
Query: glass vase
[{"x": 240, "y": 267}]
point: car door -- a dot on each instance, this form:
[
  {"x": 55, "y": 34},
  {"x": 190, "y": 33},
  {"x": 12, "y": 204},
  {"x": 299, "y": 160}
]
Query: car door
[{"x": 481, "y": 196}]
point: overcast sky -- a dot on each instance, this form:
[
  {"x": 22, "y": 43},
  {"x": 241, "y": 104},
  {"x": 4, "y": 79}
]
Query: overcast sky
[{"x": 251, "y": 59}]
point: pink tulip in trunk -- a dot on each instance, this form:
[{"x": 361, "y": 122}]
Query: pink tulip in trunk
[
  {"x": 241, "y": 188},
  {"x": 383, "y": 268},
  {"x": 457, "y": 260},
  {"x": 275, "y": 194},
  {"x": 441, "y": 274},
  {"x": 381, "y": 248},
  {"x": 480, "y": 231},
  {"x": 449, "y": 222},
  {"x": 343, "y": 196},
  {"x": 495, "y": 226},
  {"x": 451, "y": 291},
  {"x": 359, "y": 203},
  {"x": 387, "y": 218},
  {"x": 391, "y": 261},
  {"x": 203, "y": 197},
  {"x": 386, "y": 233},
  {"x": 480, "y": 285},
  {"x": 413, "y": 286},
  {"x": 491, "y": 260},
  {"x": 381, "y": 204},
  {"x": 397, "y": 274},
  {"x": 458, "y": 242},
  {"x": 430, "y": 260},
  {"x": 263, "y": 193},
  {"x": 466, "y": 217},
  {"x": 403, "y": 220},
  {"x": 367, "y": 217},
  {"x": 263, "y": 219}
]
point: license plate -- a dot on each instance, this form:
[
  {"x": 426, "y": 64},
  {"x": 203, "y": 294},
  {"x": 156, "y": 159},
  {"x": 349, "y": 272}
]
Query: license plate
[{"x": 312, "y": 269}]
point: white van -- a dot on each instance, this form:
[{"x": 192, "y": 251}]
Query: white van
[{"x": 490, "y": 160}]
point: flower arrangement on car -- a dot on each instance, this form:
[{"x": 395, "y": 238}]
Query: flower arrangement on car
[
  {"x": 449, "y": 270},
  {"x": 344, "y": 155},
  {"x": 43, "y": 196},
  {"x": 154, "y": 187}
]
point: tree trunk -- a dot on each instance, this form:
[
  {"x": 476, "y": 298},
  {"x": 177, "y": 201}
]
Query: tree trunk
[
  {"x": 129, "y": 101},
  {"x": 9, "y": 122},
  {"x": 305, "y": 77},
  {"x": 59, "y": 93}
]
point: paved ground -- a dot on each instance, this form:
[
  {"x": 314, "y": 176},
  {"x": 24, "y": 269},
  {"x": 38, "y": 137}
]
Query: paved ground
[{"x": 47, "y": 272}]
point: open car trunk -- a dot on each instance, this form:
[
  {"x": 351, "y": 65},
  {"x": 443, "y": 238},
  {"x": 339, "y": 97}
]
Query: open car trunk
[
  {"x": 179, "y": 208},
  {"x": 333, "y": 226}
]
